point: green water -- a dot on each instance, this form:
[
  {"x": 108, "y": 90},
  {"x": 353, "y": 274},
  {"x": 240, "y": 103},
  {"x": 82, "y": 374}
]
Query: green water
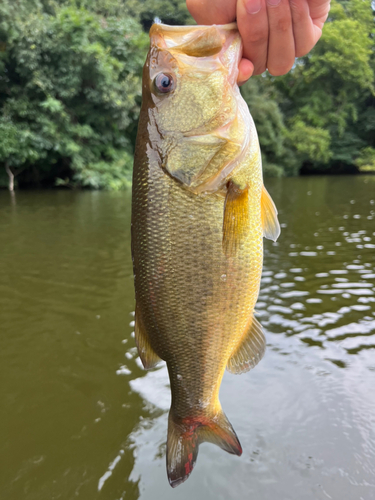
[{"x": 79, "y": 418}]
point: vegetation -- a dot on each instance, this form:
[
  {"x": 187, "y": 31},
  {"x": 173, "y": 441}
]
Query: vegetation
[
  {"x": 327, "y": 101},
  {"x": 70, "y": 83}
]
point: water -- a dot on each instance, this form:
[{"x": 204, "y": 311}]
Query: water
[{"x": 79, "y": 418}]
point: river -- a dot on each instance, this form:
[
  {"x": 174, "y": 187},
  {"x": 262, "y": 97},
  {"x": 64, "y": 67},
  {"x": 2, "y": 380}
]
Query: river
[{"x": 80, "y": 418}]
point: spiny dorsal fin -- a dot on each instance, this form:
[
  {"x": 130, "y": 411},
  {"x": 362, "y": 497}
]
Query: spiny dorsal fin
[
  {"x": 271, "y": 226},
  {"x": 148, "y": 356},
  {"x": 250, "y": 351},
  {"x": 236, "y": 218}
]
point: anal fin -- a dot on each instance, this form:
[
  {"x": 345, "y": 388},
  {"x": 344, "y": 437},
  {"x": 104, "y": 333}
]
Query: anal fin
[
  {"x": 236, "y": 218},
  {"x": 250, "y": 350},
  {"x": 148, "y": 356},
  {"x": 271, "y": 226}
]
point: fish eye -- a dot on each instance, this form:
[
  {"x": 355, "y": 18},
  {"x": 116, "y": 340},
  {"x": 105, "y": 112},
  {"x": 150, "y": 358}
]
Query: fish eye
[{"x": 164, "y": 83}]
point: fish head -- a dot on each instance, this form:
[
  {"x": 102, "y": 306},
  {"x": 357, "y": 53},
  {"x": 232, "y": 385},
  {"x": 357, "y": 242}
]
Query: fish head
[{"x": 189, "y": 87}]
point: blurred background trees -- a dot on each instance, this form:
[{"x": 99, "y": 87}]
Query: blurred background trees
[{"x": 70, "y": 93}]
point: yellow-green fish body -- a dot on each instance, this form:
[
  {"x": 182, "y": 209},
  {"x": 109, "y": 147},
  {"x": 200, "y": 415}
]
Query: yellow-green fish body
[{"x": 198, "y": 218}]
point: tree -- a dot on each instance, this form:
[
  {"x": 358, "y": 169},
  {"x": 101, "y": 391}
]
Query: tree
[
  {"x": 70, "y": 85},
  {"x": 326, "y": 94},
  {"x": 260, "y": 97},
  {"x": 70, "y": 95}
]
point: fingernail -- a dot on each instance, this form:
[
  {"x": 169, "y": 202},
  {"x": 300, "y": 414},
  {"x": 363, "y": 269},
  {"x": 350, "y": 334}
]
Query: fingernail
[
  {"x": 253, "y": 6},
  {"x": 273, "y": 3}
]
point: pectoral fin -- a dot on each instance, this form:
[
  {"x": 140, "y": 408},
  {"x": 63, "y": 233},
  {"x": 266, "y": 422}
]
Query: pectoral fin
[
  {"x": 250, "y": 351},
  {"x": 236, "y": 218},
  {"x": 148, "y": 356},
  {"x": 271, "y": 226}
]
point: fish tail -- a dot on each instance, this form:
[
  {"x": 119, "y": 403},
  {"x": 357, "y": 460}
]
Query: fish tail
[{"x": 184, "y": 437}]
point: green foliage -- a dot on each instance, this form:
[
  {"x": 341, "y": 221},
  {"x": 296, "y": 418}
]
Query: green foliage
[
  {"x": 267, "y": 115},
  {"x": 366, "y": 160},
  {"x": 311, "y": 143},
  {"x": 325, "y": 105},
  {"x": 327, "y": 93},
  {"x": 168, "y": 11},
  {"x": 70, "y": 85},
  {"x": 70, "y": 96}
]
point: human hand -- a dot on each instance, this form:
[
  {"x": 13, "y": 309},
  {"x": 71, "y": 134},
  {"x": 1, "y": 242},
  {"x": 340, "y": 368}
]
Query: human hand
[{"x": 274, "y": 32}]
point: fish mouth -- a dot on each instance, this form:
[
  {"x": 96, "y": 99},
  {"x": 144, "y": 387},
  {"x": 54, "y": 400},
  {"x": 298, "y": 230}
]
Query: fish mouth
[{"x": 206, "y": 48}]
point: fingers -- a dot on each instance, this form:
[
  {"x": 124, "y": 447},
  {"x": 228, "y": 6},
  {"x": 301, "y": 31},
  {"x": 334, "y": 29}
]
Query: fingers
[
  {"x": 212, "y": 12},
  {"x": 252, "y": 23},
  {"x": 319, "y": 10},
  {"x": 281, "y": 49},
  {"x": 267, "y": 33},
  {"x": 245, "y": 71},
  {"x": 274, "y": 32},
  {"x": 304, "y": 31}
]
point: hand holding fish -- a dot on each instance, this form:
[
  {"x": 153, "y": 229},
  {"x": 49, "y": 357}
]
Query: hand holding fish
[{"x": 274, "y": 32}]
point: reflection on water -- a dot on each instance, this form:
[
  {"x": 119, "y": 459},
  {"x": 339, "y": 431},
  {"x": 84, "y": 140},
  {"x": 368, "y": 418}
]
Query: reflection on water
[{"x": 79, "y": 416}]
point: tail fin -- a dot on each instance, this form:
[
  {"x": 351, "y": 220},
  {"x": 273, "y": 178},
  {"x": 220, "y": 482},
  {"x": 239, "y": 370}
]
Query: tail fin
[{"x": 184, "y": 437}]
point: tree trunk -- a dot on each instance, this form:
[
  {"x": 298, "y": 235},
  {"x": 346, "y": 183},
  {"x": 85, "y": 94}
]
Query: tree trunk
[{"x": 11, "y": 178}]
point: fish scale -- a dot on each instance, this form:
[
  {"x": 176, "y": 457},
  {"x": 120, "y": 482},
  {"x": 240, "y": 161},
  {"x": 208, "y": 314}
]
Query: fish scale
[
  {"x": 195, "y": 291},
  {"x": 195, "y": 335}
]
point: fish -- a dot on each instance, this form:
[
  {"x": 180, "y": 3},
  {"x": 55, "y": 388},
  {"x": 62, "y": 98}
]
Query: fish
[{"x": 199, "y": 214}]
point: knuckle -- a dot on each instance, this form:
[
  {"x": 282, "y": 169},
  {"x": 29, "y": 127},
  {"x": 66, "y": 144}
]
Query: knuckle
[
  {"x": 257, "y": 37},
  {"x": 283, "y": 24}
]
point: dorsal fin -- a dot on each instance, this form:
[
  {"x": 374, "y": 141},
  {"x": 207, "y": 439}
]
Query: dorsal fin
[
  {"x": 250, "y": 350},
  {"x": 271, "y": 226}
]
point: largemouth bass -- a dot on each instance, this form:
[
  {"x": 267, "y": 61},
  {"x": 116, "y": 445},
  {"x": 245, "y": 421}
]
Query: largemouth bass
[{"x": 199, "y": 215}]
